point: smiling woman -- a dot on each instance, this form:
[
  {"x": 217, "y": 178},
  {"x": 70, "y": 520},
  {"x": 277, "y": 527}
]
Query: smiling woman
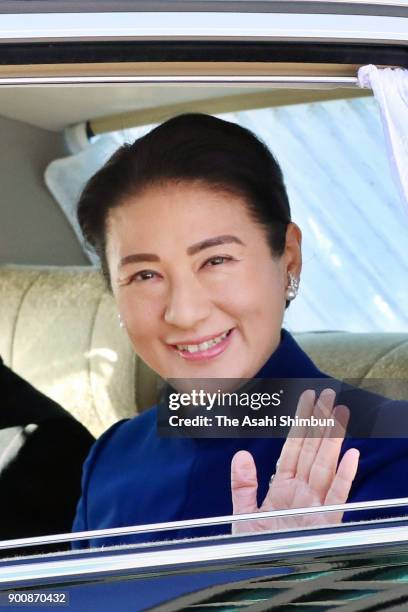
[
  {"x": 216, "y": 274},
  {"x": 209, "y": 307},
  {"x": 192, "y": 225}
]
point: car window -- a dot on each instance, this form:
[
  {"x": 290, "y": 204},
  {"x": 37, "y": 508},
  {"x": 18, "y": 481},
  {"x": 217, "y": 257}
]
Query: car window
[{"x": 333, "y": 158}]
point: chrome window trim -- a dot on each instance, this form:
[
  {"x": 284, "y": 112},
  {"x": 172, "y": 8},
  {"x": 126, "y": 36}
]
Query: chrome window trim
[
  {"x": 200, "y": 26},
  {"x": 285, "y": 80},
  {"x": 203, "y": 522},
  {"x": 394, "y": 7},
  {"x": 186, "y": 554}
]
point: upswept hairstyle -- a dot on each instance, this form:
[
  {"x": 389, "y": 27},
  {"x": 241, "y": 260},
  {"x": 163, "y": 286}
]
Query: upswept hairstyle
[{"x": 189, "y": 147}]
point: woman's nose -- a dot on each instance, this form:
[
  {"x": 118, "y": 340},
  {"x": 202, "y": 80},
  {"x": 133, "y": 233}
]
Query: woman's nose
[{"x": 188, "y": 304}]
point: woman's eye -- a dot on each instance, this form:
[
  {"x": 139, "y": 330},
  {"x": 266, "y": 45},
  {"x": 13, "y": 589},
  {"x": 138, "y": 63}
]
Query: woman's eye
[
  {"x": 216, "y": 261},
  {"x": 144, "y": 275}
]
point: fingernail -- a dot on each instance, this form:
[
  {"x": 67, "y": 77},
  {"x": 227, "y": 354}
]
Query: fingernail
[
  {"x": 309, "y": 394},
  {"x": 327, "y": 395}
]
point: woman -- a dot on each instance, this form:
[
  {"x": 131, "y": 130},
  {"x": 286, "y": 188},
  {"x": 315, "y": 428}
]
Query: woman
[{"x": 192, "y": 225}]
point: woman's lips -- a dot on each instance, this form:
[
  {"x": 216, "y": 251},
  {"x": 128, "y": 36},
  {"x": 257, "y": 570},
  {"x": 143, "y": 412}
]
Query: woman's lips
[{"x": 209, "y": 353}]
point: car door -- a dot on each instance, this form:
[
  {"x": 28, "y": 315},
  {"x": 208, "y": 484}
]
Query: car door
[{"x": 91, "y": 69}]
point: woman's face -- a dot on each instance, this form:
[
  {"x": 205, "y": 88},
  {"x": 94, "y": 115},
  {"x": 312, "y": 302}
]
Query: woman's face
[{"x": 198, "y": 290}]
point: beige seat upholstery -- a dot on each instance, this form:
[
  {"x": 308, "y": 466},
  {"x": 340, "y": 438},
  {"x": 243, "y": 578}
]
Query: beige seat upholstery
[
  {"x": 59, "y": 330},
  {"x": 376, "y": 361}
]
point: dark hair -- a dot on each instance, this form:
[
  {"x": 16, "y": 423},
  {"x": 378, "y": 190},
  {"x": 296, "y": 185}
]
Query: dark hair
[{"x": 189, "y": 147}]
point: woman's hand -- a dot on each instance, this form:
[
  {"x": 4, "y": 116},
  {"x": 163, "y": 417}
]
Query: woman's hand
[{"x": 306, "y": 475}]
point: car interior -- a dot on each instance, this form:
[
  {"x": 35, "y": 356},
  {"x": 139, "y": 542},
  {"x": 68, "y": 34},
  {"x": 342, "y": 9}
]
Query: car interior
[{"x": 85, "y": 362}]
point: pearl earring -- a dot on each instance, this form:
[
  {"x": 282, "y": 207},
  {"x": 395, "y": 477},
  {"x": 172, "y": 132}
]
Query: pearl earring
[
  {"x": 293, "y": 287},
  {"x": 121, "y": 323}
]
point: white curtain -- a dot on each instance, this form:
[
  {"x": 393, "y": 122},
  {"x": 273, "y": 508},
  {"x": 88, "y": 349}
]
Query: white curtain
[{"x": 390, "y": 88}]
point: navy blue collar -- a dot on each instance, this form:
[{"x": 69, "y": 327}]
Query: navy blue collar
[{"x": 289, "y": 361}]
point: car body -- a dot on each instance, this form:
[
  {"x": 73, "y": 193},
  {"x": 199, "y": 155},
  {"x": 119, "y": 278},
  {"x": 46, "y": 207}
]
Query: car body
[{"x": 75, "y": 66}]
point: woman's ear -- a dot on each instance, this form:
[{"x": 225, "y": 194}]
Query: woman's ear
[{"x": 293, "y": 250}]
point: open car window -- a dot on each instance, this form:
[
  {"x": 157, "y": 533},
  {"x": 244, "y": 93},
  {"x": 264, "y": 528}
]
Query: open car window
[{"x": 330, "y": 145}]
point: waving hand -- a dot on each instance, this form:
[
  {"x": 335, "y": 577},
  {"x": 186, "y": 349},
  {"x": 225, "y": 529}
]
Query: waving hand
[{"x": 307, "y": 473}]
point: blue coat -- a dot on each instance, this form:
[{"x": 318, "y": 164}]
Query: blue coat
[{"x": 133, "y": 477}]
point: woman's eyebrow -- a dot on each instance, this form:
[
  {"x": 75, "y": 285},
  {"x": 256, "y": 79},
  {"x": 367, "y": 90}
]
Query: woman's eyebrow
[
  {"x": 137, "y": 257},
  {"x": 194, "y": 248},
  {"x": 210, "y": 242}
]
